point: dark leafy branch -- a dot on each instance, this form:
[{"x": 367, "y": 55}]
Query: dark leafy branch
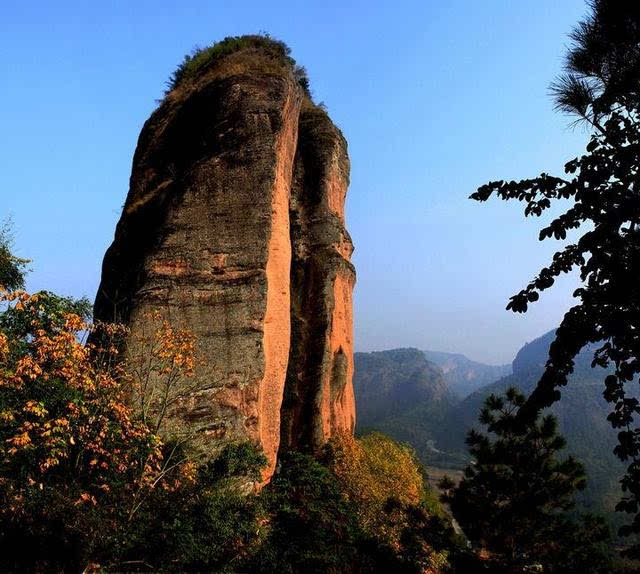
[{"x": 601, "y": 87}]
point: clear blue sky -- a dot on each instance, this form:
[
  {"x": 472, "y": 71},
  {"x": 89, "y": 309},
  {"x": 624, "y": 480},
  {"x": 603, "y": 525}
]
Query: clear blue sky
[{"x": 435, "y": 99}]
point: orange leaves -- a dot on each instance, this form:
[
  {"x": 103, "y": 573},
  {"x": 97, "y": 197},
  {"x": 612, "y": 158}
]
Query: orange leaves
[
  {"x": 27, "y": 368},
  {"x": 22, "y": 439},
  {"x": 35, "y": 408},
  {"x": 84, "y": 498},
  {"x": 73, "y": 323},
  {"x": 4, "y": 347},
  {"x": 66, "y": 418},
  {"x": 175, "y": 349},
  {"x": 160, "y": 362},
  {"x": 20, "y": 297},
  {"x": 18, "y": 442}
]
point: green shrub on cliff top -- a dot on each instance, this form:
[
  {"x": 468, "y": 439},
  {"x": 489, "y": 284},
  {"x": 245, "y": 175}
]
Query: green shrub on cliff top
[
  {"x": 12, "y": 268},
  {"x": 267, "y": 46}
]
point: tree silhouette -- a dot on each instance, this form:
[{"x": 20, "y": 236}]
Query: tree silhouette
[
  {"x": 514, "y": 497},
  {"x": 601, "y": 87}
]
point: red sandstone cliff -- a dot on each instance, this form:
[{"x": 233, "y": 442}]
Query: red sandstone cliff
[
  {"x": 234, "y": 229},
  {"x": 319, "y": 399}
]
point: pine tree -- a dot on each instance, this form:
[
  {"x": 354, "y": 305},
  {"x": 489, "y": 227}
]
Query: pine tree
[{"x": 514, "y": 497}]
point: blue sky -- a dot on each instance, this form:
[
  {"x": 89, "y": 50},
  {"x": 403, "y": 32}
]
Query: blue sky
[{"x": 435, "y": 98}]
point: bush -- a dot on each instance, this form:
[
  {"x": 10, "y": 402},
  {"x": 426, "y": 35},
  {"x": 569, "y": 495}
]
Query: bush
[
  {"x": 73, "y": 455},
  {"x": 206, "y": 523},
  {"x": 386, "y": 485}
]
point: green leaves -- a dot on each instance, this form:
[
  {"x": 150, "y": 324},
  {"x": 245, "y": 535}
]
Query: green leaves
[
  {"x": 12, "y": 268},
  {"x": 601, "y": 87},
  {"x": 513, "y": 498}
]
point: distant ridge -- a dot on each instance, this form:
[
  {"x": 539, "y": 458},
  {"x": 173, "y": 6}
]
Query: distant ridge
[
  {"x": 402, "y": 394},
  {"x": 463, "y": 375}
]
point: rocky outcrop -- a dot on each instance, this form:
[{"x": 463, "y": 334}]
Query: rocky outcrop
[{"x": 233, "y": 228}]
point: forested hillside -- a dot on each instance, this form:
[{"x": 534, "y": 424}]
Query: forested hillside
[
  {"x": 582, "y": 417},
  {"x": 400, "y": 393}
]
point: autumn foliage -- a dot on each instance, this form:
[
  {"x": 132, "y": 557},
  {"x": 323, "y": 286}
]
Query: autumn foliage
[
  {"x": 385, "y": 484},
  {"x": 73, "y": 452},
  {"x": 94, "y": 472}
]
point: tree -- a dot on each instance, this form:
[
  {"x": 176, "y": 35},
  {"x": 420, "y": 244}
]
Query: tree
[
  {"x": 601, "y": 86},
  {"x": 73, "y": 456},
  {"x": 513, "y": 498},
  {"x": 12, "y": 268},
  {"x": 208, "y": 524},
  {"x": 386, "y": 486}
]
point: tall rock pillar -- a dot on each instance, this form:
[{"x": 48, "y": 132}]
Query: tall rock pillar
[{"x": 233, "y": 228}]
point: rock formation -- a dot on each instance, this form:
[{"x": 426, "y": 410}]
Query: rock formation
[{"x": 233, "y": 228}]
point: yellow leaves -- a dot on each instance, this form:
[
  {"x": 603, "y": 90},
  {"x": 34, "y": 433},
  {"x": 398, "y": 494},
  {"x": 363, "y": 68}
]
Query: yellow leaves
[
  {"x": 35, "y": 408},
  {"x": 7, "y": 416},
  {"x": 372, "y": 470},
  {"x": 188, "y": 471},
  {"x": 48, "y": 463},
  {"x": 4, "y": 347}
]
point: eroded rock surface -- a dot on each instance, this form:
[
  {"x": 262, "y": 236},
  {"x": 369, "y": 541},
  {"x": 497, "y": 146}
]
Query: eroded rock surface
[
  {"x": 233, "y": 228},
  {"x": 319, "y": 399}
]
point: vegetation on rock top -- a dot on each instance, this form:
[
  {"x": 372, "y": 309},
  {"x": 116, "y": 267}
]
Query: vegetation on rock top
[{"x": 201, "y": 59}]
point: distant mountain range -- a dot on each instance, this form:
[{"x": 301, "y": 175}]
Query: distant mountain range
[
  {"x": 407, "y": 394},
  {"x": 581, "y": 412},
  {"x": 462, "y": 375}
]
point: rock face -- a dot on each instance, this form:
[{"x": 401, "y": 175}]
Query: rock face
[
  {"x": 233, "y": 228},
  {"x": 319, "y": 400}
]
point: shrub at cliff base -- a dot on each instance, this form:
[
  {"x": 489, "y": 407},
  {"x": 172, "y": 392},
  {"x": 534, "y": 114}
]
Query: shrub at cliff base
[
  {"x": 73, "y": 457},
  {"x": 381, "y": 477},
  {"x": 77, "y": 462},
  {"x": 386, "y": 485},
  {"x": 315, "y": 525},
  {"x": 209, "y": 523},
  {"x": 305, "y": 520}
]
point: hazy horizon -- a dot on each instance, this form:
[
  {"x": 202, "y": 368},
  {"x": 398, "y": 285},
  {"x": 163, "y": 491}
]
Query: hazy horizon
[{"x": 434, "y": 100}]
